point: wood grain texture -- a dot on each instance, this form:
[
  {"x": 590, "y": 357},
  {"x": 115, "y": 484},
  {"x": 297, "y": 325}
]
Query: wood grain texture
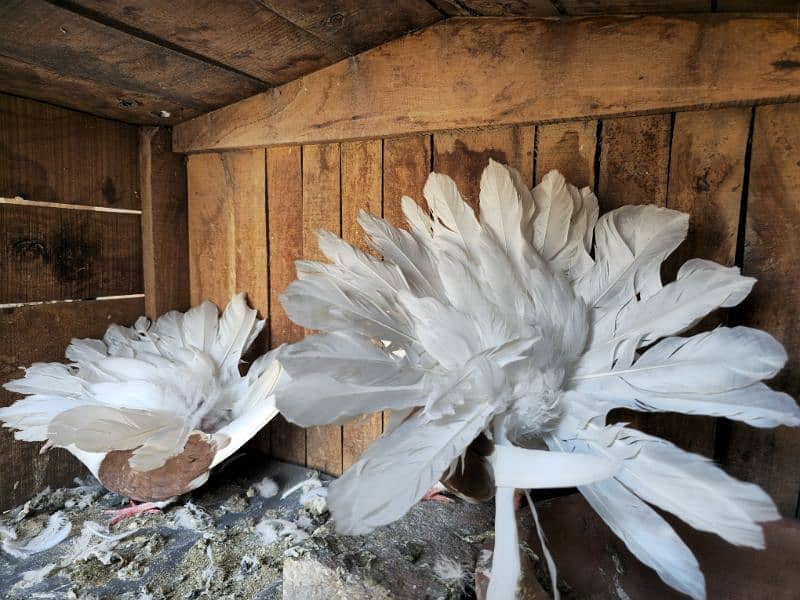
[
  {"x": 165, "y": 243},
  {"x": 285, "y": 224},
  {"x": 463, "y": 155},
  {"x": 242, "y": 34},
  {"x": 772, "y": 244},
  {"x": 482, "y": 72},
  {"x": 354, "y": 25},
  {"x": 227, "y": 228},
  {"x": 63, "y": 254},
  {"x": 107, "y": 61},
  {"x": 633, "y": 169},
  {"x": 632, "y": 7},
  {"x": 41, "y": 333},
  {"x": 634, "y": 161},
  {"x": 321, "y": 210},
  {"x": 362, "y": 177},
  {"x": 512, "y": 8},
  {"x": 705, "y": 180},
  {"x": 739, "y": 6},
  {"x": 406, "y": 165},
  {"x": 51, "y": 154},
  {"x": 568, "y": 147}
]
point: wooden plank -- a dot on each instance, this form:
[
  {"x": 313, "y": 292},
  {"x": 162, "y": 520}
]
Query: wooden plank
[
  {"x": 634, "y": 161},
  {"x": 568, "y": 147},
  {"x": 406, "y": 164},
  {"x": 768, "y": 457},
  {"x": 633, "y": 169},
  {"x": 353, "y": 25},
  {"x": 487, "y": 72},
  {"x": 632, "y": 7},
  {"x": 227, "y": 228},
  {"x": 238, "y": 33},
  {"x": 41, "y": 333},
  {"x": 512, "y": 8},
  {"x": 113, "y": 101},
  {"x": 321, "y": 210},
  {"x": 50, "y": 154},
  {"x": 60, "y": 254},
  {"x": 108, "y": 60},
  {"x": 463, "y": 155},
  {"x": 362, "y": 173},
  {"x": 705, "y": 180},
  {"x": 285, "y": 224},
  {"x": 741, "y": 6},
  {"x": 165, "y": 243}
]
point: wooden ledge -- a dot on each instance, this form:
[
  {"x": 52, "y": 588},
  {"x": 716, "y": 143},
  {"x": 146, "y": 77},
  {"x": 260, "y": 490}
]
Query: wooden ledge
[{"x": 498, "y": 71}]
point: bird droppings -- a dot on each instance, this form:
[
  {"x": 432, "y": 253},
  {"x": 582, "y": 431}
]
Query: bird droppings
[
  {"x": 228, "y": 541},
  {"x": 204, "y": 546}
]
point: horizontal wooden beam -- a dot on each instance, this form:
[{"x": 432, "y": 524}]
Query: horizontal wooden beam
[{"x": 482, "y": 72}]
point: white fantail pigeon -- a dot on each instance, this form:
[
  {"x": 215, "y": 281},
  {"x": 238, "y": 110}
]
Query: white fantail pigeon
[
  {"x": 500, "y": 346},
  {"x": 151, "y": 409}
]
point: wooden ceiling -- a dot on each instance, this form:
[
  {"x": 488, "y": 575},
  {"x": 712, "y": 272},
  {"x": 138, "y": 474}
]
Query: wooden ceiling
[{"x": 162, "y": 62}]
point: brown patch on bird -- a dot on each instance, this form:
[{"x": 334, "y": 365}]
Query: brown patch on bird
[{"x": 172, "y": 479}]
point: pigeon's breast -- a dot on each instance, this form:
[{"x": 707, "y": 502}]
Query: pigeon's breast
[{"x": 177, "y": 476}]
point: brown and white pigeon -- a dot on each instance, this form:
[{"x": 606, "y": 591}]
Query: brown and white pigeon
[{"x": 151, "y": 409}]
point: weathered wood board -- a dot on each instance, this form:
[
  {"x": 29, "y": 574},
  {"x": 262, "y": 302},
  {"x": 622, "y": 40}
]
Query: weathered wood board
[
  {"x": 50, "y": 154},
  {"x": 771, "y": 248},
  {"x": 165, "y": 236},
  {"x": 491, "y": 72}
]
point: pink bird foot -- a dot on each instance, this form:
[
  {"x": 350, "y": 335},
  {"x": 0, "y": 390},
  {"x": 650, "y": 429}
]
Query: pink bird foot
[
  {"x": 435, "y": 495},
  {"x": 146, "y": 508}
]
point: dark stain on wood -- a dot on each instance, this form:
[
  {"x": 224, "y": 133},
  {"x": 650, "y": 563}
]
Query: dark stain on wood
[
  {"x": 59, "y": 254},
  {"x": 172, "y": 479},
  {"x": 786, "y": 65}
]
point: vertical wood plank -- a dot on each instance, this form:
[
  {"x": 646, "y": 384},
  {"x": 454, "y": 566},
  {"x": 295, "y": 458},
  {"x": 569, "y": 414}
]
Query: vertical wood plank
[
  {"x": 406, "y": 165},
  {"x": 41, "y": 333},
  {"x": 285, "y": 224},
  {"x": 463, "y": 155},
  {"x": 227, "y": 228},
  {"x": 321, "y": 210},
  {"x": 634, "y": 169},
  {"x": 705, "y": 180},
  {"x": 228, "y": 237},
  {"x": 634, "y": 161},
  {"x": 362, "y": 175},
  {"x": 165, "y": 245},
  {"x": 768, "y": 457},
  {"x": 568, "y": 147}
]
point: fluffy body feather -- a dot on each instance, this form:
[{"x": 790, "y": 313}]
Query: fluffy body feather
[
  {"x": 146, "y": 389},
  {"x": 527, "y": 327}
]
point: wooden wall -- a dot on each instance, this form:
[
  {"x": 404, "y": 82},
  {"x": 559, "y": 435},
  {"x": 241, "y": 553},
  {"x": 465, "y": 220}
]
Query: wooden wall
[
  {"x": 83, "y": 202},
  {"x": 736, "y": 170}
]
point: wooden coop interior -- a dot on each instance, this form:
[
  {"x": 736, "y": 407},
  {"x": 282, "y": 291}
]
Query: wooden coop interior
[{"x": 155, "y": 154}]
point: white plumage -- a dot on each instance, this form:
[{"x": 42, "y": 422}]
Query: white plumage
[
  {"x": 528, "y": 327},
  {"x": 148, "y": 388}
]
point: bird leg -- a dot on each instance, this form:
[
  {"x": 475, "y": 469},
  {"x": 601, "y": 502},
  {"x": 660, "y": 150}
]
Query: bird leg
[
  {"x": 145, "y": 508},
  {"x": 435, "y": 494}
]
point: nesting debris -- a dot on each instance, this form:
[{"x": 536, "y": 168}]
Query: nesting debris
[
  {"x": 54, "y": 532},
  {"x": 267, "y": 487}
]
